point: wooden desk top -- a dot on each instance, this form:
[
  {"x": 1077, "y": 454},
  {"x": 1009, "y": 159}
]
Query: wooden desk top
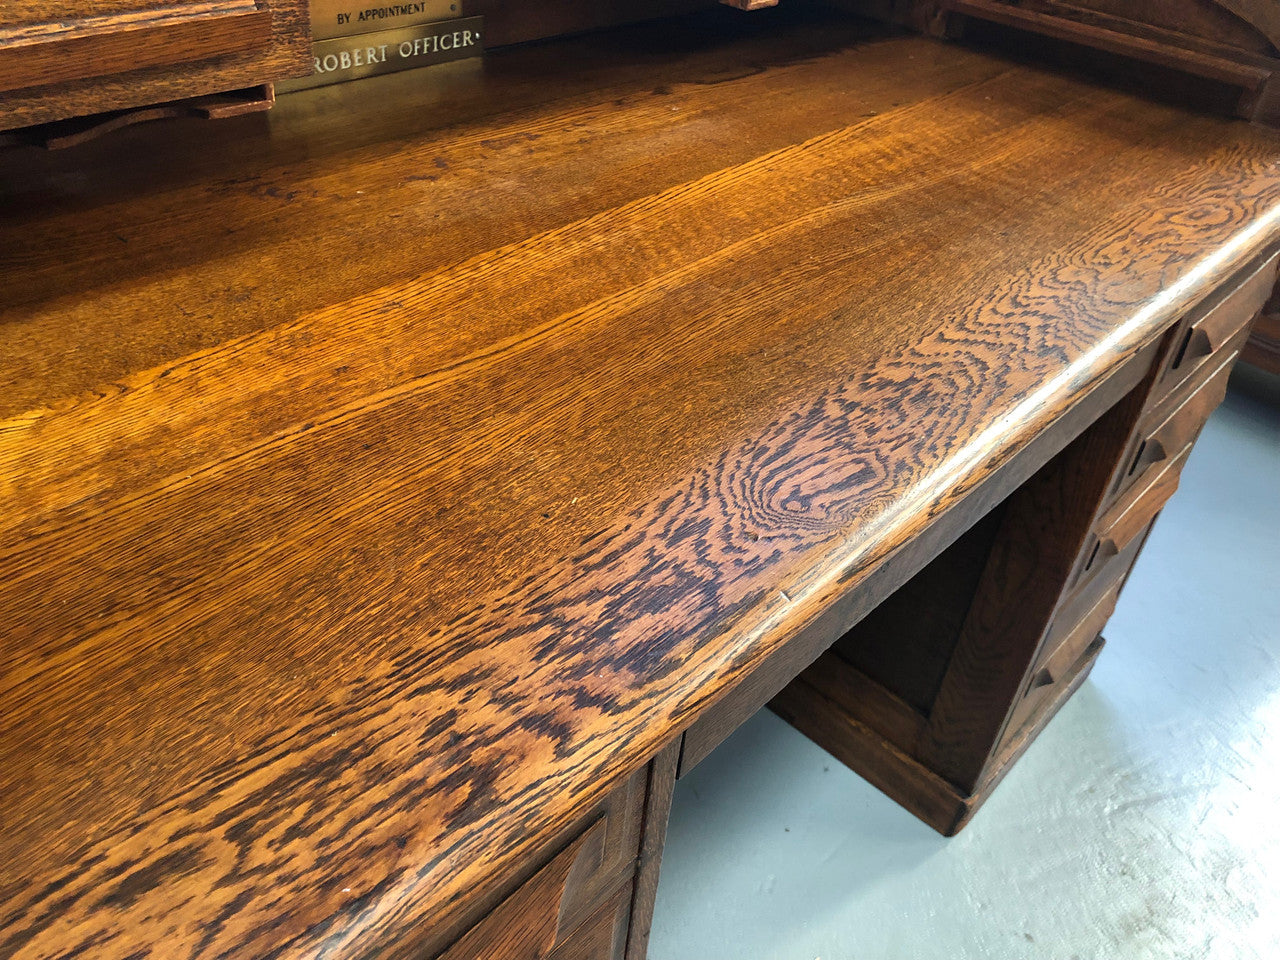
[{"x": 374, "y": 490}]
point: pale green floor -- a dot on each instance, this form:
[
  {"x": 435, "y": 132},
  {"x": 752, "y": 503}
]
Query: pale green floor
[{"x": 1144, "y": 822}]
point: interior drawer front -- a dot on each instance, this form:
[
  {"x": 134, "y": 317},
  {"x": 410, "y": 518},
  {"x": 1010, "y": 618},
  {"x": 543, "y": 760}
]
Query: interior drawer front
[
  {"x": 546, "y": 916},
  {"x": 1176, "y": 423},
  {"x": 39, "y": 54},
  {"x": 1203, "y": 335},
  {"x": 83, "y": 59}
]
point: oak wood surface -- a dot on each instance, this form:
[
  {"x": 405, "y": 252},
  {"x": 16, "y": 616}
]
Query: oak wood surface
[
  {"x": 524, "y": 927},
  {"x": 1215, "y": 66},
  {"x": 1219, "y": 54},
  {"x": 44, "y": 53},
  {"x": 907, "y": 641},
  {"x": 1242, "y": 25},
  {"x": 375, "y": 498}
]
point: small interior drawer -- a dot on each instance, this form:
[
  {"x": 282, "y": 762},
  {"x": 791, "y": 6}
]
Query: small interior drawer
[{"x": 1203, "y": 333}]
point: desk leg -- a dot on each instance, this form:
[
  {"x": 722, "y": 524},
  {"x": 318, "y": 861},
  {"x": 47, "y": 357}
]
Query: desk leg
[
  {"x": 935, "y": 693},
  {"x": 662, "y": 782}
]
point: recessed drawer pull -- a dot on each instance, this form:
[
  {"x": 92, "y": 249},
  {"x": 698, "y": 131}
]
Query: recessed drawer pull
[
  {"x": 1205, "y": 336},
  {"x": 1129, "y": 518},
  {"x": 1182, "y": 426}
]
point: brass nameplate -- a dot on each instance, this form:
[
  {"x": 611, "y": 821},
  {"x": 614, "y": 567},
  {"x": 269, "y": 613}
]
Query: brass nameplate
[
  {"x": 349, "y": 18},
  {"x": 351, "y": 58}
]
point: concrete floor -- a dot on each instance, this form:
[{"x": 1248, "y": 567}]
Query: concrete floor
[{"x": 1145, "y": 821}]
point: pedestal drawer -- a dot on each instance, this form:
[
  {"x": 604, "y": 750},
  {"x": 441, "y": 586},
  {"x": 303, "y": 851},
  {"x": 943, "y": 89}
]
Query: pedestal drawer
[
  {"x": 1118, "y": 531},
  {"x": 577, "y": 904},
  {"x": 1073, "y": 630},
  {"x": 1202, "y": 335},
  {"x": 1176, "y": 422}
]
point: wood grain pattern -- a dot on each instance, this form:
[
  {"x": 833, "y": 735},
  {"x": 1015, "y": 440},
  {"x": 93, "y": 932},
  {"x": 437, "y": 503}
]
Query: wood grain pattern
[
  {"x": 1240, "y": 25},
  {"x": 907, "y": 641},
  {"x": 1260, "y": 14},
  {"x": 1175, "y": 424},
  {"x": 1044, "y": 528},
  {"x": 314, "y": 628},
  {"x": 1201, "y": 48},
  {"x": 1227, "y": 69},
  {"x": 866, "y": 701},
  {"x": 773, "y": 672}
]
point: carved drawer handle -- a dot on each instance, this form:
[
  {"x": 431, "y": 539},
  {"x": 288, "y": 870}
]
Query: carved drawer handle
[
  {"x": 1126, "y": 520},
  {"x": 1214, "y": 329},
  {"x": 1183, "y": 425}
]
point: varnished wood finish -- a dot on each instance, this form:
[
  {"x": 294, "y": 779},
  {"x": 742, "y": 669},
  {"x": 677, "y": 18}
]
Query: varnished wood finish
[
  {"x": 580, "y": 903},
  {"x": 540, "y": 904},
  {"x": 906, "y": 643},
  {"x": 1203, "y": 336},
  {"x": 603, "y": 936},
  {"x": 938, "y": 802},
  {"x": 524, "y": 927},
  {"x": 847, "y": 609},
  {"x": 76, "y": 58},
  {"x": 37, "y": 55},
  {"x": 513, "y": 21},
  {"x": 72, "y": 133},
  {"x": 1173, "y": 425},
  {"x": 377, "y": 495}
]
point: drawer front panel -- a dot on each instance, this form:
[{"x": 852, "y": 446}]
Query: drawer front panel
[
  {"x": 546, "y": 914},
  {"x": 1175, "y": 423},
  {"x": 1072, "y": 633},
  {"x": 1202, "y": 335},
  {"x": 525, "y": 926},
  {"x": 1039, "y": 699},
  {"x": 1118, "y": 531},
  {"x": 604, "y": 935}
]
